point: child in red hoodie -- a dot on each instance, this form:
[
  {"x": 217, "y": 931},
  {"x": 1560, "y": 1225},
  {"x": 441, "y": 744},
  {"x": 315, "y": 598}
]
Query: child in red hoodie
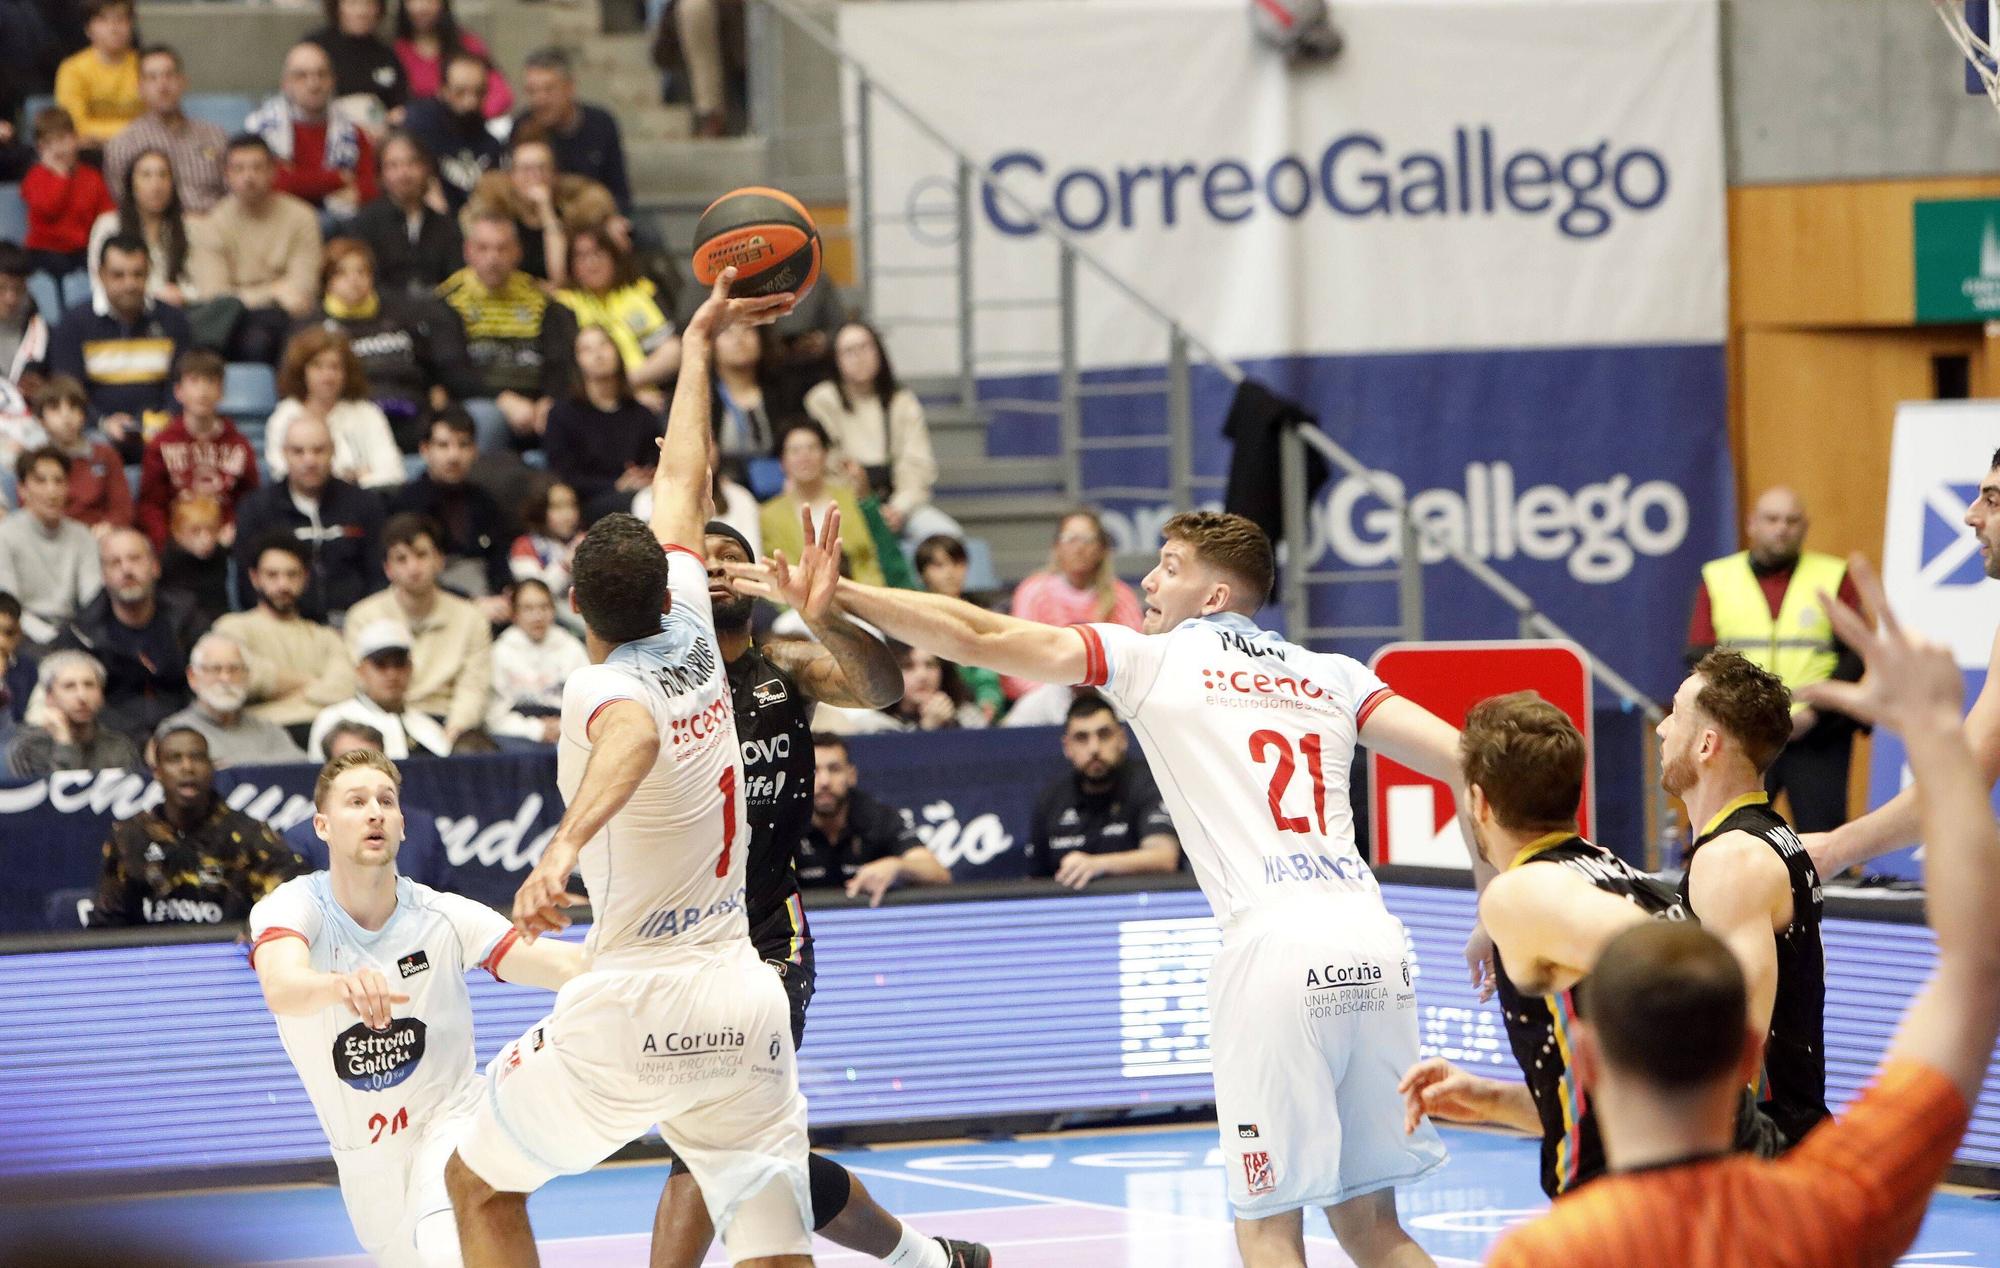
[
  {"x": 64, "y": 198},
  {"x": 200, "y": 453}
]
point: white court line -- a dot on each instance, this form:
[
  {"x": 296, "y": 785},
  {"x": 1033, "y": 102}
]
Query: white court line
[{"x": 996, "y": 1191}]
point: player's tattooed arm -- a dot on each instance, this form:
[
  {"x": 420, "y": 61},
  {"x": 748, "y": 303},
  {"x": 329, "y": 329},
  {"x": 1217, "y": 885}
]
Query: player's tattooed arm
[{"x": 848, "y": 668}]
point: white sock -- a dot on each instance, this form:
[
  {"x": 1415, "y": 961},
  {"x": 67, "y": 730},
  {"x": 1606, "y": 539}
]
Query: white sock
[{"x": 916, "y": 1251}]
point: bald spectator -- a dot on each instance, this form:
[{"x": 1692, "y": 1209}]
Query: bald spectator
[
  {"x": 323, "y": 158},
  {"x": 585, "y": 137},
  {"x": 194, "y": 148},
  {"x": 338, "y": 525},
  {"x": 261, "y": 245},
  {"x": 1763, "y": 601},
  {"x": 382, "y": 672},
  {"x": 141, "y": 636},
  {"x": 69, "y": 735},
  {"x": 298, "y": 666},
  {"x": 47, "y": 561},
  {"x": 451, "y": 648},
  {"x": 219, "y": 675}
]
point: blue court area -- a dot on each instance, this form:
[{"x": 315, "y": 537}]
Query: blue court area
[{"x": 1112, "y": 1199}]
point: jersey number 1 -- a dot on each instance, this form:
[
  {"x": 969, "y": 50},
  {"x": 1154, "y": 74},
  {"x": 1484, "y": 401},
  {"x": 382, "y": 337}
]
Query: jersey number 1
[
  {"x": 1262, "y": 743},
  {"x": 728, "y": 786}
]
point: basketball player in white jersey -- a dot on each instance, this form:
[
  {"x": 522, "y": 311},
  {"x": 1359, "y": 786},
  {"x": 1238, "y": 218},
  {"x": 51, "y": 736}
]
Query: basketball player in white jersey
[
  {"x": 1250, "y": 739},
  {"x": 676, "y": 1021},
  {"x": 365, "y": 971}
]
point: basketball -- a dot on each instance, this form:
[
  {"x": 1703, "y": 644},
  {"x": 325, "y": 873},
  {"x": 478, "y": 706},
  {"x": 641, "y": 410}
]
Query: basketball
[{"x": 766, "y": 234}]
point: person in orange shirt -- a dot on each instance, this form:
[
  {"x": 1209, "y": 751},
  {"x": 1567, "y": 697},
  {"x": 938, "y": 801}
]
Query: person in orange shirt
[{"x": 1664, "y": 1050}]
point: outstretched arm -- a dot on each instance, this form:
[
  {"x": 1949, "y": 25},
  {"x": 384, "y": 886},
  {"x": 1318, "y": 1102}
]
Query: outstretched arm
[{"x": 848, "y": 667}]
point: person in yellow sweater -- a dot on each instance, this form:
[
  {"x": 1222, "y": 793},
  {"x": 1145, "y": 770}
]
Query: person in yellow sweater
[
  {"x": 802, "y": 449},
  {"x": 100, "y": 85}
]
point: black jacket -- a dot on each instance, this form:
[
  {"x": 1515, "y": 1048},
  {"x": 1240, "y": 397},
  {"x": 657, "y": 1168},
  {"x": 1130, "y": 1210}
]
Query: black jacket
[
  {"x": 345, "y": 546},
  {"x": 145, "y": 671},
  {"x": 401, "y": 267},
  {"x": 470, "y": 518},
  {"x": 408, "y": 345}
]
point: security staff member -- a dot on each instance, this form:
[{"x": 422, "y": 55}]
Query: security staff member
[
  {"x": 1764, "y": 603},
  {"x": 1105, "y": 817}
]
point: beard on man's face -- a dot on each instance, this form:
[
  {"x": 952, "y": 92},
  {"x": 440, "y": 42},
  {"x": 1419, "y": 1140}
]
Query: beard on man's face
[{"x": 735, "y": 614}]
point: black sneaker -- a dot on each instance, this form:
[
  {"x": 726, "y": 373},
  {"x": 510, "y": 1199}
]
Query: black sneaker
[{"x": 965, "y": 1254}]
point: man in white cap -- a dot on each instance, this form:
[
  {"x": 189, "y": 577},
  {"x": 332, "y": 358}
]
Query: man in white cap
[{"x": 382, "y": 672}]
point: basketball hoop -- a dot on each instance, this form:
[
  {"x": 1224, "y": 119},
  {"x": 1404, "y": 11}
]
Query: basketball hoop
[{"x": 1978, "y": 50}]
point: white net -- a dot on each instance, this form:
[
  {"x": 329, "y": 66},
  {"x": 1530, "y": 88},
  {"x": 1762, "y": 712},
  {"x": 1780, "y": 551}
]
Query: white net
[{"x": 1978, "y": 51}]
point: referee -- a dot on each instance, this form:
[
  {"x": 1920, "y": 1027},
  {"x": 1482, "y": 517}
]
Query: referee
[{"x": 774, "y": 690}]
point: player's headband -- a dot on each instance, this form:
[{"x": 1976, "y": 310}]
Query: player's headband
[{"x": 716, "y": 528}]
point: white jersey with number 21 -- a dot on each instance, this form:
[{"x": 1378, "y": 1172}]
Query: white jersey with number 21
[{"x": 1250, "y": 739}]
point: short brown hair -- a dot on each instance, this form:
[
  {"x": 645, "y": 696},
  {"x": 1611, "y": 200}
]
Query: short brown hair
[
  {"x": 373, "y": 759},
  {"x": 61, "y": 389},
  {"x": 306, "y": 345},
  {"x": 1229, "y": 542},
  {"x": 52, "y": 122},
  {"x": 200, "y": 363},
  {"x": 1528, "y": 758},
  {"x": 95, "y": 9},
  {"x": 1751, "y": 704},
  {"x": 1667, "y": 1002},
  {"x": 338, "y": 252}
]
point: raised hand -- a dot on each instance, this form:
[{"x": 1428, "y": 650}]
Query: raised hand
[
  {"x": 1909, "y": 681},
  {"x": 539, "y": 903},
  {"x": 810, "y": 586},
  {"x": 719, "y": 312}
]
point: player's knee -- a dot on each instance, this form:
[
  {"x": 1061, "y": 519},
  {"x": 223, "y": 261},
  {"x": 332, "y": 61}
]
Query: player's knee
[
  {"x": 437, "y": 1241},
  {"x": 467, "y": 1190},
  {"x": 831, "y": 1186},
  {"x": 1367, "y": 1227}
]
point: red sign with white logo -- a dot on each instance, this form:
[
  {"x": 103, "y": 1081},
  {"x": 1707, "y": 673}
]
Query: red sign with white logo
[{"x": 1414, "y": 819}]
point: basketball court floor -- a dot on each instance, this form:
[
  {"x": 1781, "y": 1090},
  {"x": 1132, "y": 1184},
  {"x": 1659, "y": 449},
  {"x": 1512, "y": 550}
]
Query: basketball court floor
[{"x": 1112, "y": 1199}]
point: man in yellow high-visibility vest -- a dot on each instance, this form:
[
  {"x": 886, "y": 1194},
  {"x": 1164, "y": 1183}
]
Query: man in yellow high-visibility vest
[{"x": 1764, "y": 603}]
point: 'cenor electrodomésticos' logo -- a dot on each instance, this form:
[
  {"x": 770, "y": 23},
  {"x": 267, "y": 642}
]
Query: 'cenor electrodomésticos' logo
[
  {"x": 1948, "y": 550},
  {"x": 372, "y": 1060}
]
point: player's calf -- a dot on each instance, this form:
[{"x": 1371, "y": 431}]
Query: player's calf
[
  {"x": 493, "y": 1230},
  {"x": 1373, "y": 1237}
]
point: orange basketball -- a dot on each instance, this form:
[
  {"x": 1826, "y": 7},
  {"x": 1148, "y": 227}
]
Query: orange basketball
[{"x": 766, "y": 234}]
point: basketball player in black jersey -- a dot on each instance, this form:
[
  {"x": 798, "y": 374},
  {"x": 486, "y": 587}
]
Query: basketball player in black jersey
[
  {"x": 1558, "y": 899},
  {"x": 774, "y": 689},
  {"x": 1749, "y": 879}
]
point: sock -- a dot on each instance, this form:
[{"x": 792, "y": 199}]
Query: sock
[{"x": 917, "y": 1251}]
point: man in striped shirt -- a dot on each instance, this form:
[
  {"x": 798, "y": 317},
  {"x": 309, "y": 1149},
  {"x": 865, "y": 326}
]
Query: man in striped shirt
[
  {"x": 193, "y": 147},
  {"x": 1664, "y": 1049}
]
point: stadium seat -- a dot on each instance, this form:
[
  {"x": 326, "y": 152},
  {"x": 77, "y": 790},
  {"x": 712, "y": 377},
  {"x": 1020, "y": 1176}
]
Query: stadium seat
[
  {"x": 13, "y": 214},
  {"x": 33, "y": 106},
  {"x": 980, "y": 576},
  {"x": 249, "y": 390},
  {"x": 226, "y": 110},
  {"x": 765, "y": 478}
]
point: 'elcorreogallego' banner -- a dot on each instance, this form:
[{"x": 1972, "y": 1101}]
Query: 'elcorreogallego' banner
[{"x": 1486, "y": 247}]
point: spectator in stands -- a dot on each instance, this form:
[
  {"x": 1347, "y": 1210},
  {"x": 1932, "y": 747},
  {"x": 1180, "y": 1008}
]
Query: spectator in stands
[
  {"x": 1078, "y": 587},
  {"x": 383, "y": 669},
  {"x": 520, "y": 341},
  {"x": 365, "y": 65},
  {"x": 64, "y": 197},
  {"x": 24, "y": 331},
  {"x": 262, "y": 246},
  {"x": 409, "y": 229},
  {"x": 17, "y": 669},
  {"x": 452, "y": 654},
  {"x": 193, "y": 147},
  {"x": 942, "y": 565},
  {"x": 338, "y": 525},
  {"x": 67, "y": 735},
  {"x": 698, "y": 26},
  {"x": 323, "y": 158},
  {"x": 47, "y": 561},
  {"x": 219, "y": 675},
  {"x": 321, "y": 378},
  {"x": 195, "y": 563},
  {"x": 601, "y": 441},
  {"x": 453, "y": 128},
  {"x": 194, "y": 861},
  {"x": 123, "y": 347},
  {"x": 802, "y": 448},
  {"x": 742, "y": 424},
  {"x": 935, "y": 698},
  {"x": 99, "y": 498},
  {"x": 297, "y": 666},
  {"x": 428, "y": 36},
  {"x": 585, "y": 137},
  {"x": 149, "y": 208},
  {"x": 607, "y": 292},
  {"x": 855, "y": 841},
  {"x": 408, "y": 349},
  {"x": 475, "y": 549},
  {"x": 532, "y": 659},
  {"x": 877, "y": 423},
  {"x": 421, "y": 857},
  {"x": 545, "y": 552},
  {"x": 1104, "y": 818},
  {"x": 140, "y": 635},
  {"x": 200, "y": 453},
  {"x": 99, "y": 86},
  {"x": 548, "y": 208}
]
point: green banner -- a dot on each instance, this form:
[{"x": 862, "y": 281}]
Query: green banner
[{"x": 1958, "y": 260}]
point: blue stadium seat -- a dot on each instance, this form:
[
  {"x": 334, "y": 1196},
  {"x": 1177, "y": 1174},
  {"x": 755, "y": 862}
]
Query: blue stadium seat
[
  {"x": 765, "y": 478},
  {"x": 980, "y": 575},
  {"x": 33, "y": 106},
  {"x": 249, "y": 390},
  {"x": 226, "y": 110},
  {"x": 13, "y": 214}
]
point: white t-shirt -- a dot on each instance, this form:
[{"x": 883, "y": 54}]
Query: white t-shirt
[
  {"x": 366, "y": 1085},
  {"x": 1250, "y": 739},
  {"x": 667, "y": 870}
]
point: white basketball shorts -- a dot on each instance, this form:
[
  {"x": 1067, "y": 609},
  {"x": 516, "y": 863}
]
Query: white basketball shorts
[
  {"x": 394, "y": 1188},
  {"x": 1314, "y": 1023},
  {"x": 702, "y": 1047}
]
